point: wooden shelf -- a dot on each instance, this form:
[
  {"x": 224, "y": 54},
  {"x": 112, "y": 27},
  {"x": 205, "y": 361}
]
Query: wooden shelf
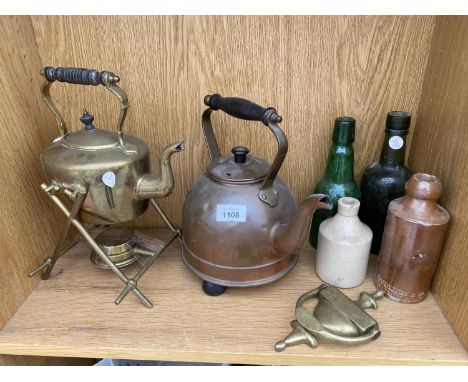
[{"x": 73, "y": 314}]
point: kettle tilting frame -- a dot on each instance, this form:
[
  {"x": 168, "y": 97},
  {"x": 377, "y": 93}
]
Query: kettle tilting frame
[{"x": 62, "y": 246}]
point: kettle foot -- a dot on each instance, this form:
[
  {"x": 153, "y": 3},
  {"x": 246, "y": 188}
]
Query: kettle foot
[{"x": 212, "y": 289}]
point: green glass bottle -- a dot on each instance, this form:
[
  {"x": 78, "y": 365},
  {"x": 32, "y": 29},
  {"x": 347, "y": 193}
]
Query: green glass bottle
[
  {"x": 385, "y": 180},
  {"x": 339, "y": 174}
]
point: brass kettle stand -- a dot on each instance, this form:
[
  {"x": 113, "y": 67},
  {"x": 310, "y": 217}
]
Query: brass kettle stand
[{"x": 79, "y": 196}]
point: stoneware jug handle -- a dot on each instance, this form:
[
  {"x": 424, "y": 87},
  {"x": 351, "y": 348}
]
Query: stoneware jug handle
[
  {"x": 82, "y": 76},
  {"x": 247, "y": 110}
]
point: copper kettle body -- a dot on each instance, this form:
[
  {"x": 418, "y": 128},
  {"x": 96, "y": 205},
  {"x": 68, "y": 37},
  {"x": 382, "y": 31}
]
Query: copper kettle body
[{"x": 240, "y": 223}]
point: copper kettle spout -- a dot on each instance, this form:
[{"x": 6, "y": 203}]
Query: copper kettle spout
[
  {"x": 150, "y": 186},
  {"x": 290, "y": 238}
]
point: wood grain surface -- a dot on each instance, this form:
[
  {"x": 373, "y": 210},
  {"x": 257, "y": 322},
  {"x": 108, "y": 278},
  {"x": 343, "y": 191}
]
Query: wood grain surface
[
  {"x": 28, "y": 224},
  {"x": 73, "y": 314},
  {"x": 312, "y": 69},
  {"x": 15, "y": 360},
  {"x": 440, "y": 147}
]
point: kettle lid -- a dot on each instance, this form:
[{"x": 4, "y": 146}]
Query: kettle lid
[
  {"x": 239, "y": 168},
  {"x": 90, "y": 138}
]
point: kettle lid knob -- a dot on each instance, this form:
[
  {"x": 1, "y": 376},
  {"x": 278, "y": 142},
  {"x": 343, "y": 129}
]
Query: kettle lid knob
[
  {"x": 240, "y": 154},
  {"x": 87, "y": 119}
]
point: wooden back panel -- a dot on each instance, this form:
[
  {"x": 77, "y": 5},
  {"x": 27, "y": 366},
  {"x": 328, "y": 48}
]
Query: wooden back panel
[
  {"x": 440, "y": 147},
  {"x": 312, "y": 69},
  {"x": 29, "y": 225}
]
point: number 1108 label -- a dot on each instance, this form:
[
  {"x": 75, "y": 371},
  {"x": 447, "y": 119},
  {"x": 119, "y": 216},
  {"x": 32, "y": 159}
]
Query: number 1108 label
[{"x": 231, "y": 213}]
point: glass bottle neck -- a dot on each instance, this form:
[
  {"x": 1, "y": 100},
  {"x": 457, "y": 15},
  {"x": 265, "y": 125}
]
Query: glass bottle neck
[
  {"x": 340, "y": 164},
  {"x": 393, "y": 149}
]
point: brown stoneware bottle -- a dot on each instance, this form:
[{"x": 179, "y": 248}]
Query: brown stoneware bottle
[{"x": 412, "y": 240}]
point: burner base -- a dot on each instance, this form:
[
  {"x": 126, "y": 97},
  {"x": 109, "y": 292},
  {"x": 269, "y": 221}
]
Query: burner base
[{"x": 118, "y": 244}]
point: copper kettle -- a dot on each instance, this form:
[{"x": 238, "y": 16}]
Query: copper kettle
[{"x": 240, "y": 223}]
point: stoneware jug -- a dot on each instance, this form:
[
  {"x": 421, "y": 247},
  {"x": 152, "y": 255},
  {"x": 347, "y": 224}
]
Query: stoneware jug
[
  {"x": 413, "y": 237},
  {"x": 343, "y": 246}
]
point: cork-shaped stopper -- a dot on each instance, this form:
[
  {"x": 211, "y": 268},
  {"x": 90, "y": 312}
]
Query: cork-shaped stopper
[
  {"x": 424, "y": 186},
  {"x": 348, "y": 206}
]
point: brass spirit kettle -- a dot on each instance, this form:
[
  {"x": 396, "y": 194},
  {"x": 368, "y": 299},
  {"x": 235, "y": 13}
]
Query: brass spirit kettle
[
  {"x": 240, "y": 223},
  {"x": 105, "y": 175},
  {"x": 112, "y": 166}
]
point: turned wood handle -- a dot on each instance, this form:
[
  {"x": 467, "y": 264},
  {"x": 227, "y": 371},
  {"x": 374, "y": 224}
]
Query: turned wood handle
[
  {"x": 82, "y": 76},
  {"x": 242, "y": 109},
  {"x": 79, "y": 76}
]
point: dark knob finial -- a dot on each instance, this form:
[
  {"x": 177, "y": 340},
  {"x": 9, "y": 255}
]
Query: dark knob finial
[
  {"x": 87, "y": 119},
  {"x": 240, "y": 154}
]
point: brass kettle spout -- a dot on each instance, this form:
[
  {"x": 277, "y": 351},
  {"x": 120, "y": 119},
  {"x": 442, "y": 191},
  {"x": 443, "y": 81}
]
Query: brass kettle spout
[
  {"x": 150, "y": 186},
  {"x": 291, "y": 238}
]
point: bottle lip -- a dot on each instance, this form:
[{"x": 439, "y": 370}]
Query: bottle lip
[
  {"x": 399, "y": 114},
  {"x": 424, "y": 186},
  {"x": 344, "y": 129},
  {"x": 398, "y": 120},
  {"x": 345, "y": 119},
  {"x": 348, "y": 206},
  {"x": 400, "y": 133}
]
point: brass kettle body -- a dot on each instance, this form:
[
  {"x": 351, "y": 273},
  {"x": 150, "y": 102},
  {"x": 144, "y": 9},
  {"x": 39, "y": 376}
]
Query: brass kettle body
[
  {"x": 112, "y": 167},
  {"x": 240, "y": 223}
]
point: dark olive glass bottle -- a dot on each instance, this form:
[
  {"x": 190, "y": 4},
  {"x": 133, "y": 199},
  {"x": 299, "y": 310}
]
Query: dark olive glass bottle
[
  {"x": 339, "y": 174},
  {"x": 385, "y": 180}
]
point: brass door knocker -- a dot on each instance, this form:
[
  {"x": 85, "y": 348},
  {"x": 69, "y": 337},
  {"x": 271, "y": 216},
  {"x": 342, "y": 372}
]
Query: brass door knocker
[{"x": 336, "y": 318}]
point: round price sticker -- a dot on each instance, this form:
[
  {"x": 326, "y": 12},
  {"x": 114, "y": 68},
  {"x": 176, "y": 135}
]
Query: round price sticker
[
  {"x": 396, "y": 142},
  {"x": 108, "y": 178}
]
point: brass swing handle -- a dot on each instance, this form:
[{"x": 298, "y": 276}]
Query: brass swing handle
[
  {"x": 250, "y": 111},
  {"x": 82, "y": 76}
]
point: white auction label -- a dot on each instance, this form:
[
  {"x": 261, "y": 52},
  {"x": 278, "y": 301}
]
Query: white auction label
[
  {"x": 396, "y": 142},
  {"x": 231, "y": 213},
  {"x": 108, "y": 178}
]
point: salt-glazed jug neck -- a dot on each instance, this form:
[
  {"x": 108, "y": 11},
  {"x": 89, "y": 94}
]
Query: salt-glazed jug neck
[
  {"x": 422, "y": 192},
  {"x": 424, "y": 186},
  {"x": 348, "y": 206}
]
